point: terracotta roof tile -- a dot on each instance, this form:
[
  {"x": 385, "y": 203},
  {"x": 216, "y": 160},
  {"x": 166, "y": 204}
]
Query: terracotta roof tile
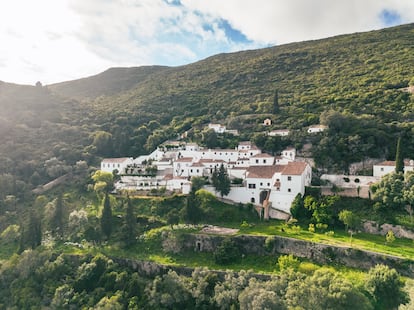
[
  {"x": 263, "y": 172},
  {"x": 390, "y": 163},
  {"x": 294, "y": 168},
  {"x": 262, "y": 155},
  {"x": 184, "y": 160}
]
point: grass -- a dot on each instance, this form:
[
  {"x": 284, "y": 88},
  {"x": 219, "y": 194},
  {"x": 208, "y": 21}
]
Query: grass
[{"x": 400, "y": 247}]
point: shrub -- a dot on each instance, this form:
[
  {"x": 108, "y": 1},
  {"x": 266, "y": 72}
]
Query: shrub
[
  {"x": 307, "y": 267},
  {"x": 227, "y": 252},
  {"x": 288, "y": 261}
]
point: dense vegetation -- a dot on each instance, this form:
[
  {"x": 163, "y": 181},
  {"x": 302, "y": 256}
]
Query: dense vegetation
[
  {"x": 355, "y": 84},
  {"x": 44, "y": 279}
]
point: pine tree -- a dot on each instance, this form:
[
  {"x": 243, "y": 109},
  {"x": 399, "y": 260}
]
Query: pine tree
[
  {"x": 399, "y": 160},
  {"x": 106, "y": 219}
]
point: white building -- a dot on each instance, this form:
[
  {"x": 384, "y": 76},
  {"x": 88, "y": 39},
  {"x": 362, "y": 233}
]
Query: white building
[
  {"x": 218, "y": 128},
  {"x": 317, "y": 128},
  {"x": 385, "y": 167},
  {"x": 118, "y": 164},
  {"x": 270, "y": 183},
  {"x": 279, "y": 132},
  {"x": 278, "y": 184}
]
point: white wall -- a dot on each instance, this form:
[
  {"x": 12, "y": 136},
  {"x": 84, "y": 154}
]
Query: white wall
[{"x": 380, "y": 171}]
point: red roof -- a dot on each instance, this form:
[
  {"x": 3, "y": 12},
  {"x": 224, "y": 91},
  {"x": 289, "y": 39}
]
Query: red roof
[
  {"x": 184, "y": 160},
  {"x": 262, "y": 155},
  {"x": 294, "y": 168},
  {"x": 263, "y": 172},
  {"x": 390, "y": 163}
]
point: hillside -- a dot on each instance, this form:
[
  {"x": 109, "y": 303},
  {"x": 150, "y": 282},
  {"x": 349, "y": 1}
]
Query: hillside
[
  {"x": 107, "y": 83},
  {"x": 359, "y": 76},
  {"x": 359, "y": 73}
]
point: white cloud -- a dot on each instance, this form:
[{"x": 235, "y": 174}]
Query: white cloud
[
  {"x": 282, "y": 21},
  {"x": 51, "y": 40}
]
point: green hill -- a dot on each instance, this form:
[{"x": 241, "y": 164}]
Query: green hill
[{"x": 359, "y": 76}]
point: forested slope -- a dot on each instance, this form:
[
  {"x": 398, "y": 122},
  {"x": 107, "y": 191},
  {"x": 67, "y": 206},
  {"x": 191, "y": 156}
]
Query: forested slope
[{"x": 129, "y": 111}]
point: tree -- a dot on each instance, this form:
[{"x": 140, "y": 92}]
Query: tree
[
  {"x": 389, "y": 193},
  {"x": 173, "y": 218},
  {"x": 169, "y": 292},
  {"x": 210, "y": 138},
  {"x": 57, "y": 217},
  {"x": 227, "y": 252},
  {"x": 32, "y": 236},
  {"x": 197, "y": 183},
  {"x": 325, "y": 289},
  {"x": 221, "y": 181},
  {"x": 351, "y": 221},
  {"x": 102, "y": 141},
  {"x": 106, "y": 218},
  {"x": 130, "y": 224},
  {"x": 298, "y": 209},
  {"x": 399, "y": 160},
  {"x": 390, "y": 237},
  {"x": 386, "y": 287},
  {"x": 192, "y": 212},
  {"x": 104, "y": 181}
]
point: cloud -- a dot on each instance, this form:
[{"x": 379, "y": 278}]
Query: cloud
[
  {"x": 53, "y": 40},
  {"x": 279, "y": 21}
]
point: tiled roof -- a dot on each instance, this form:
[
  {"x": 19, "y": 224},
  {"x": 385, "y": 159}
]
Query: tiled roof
[
  {"x": 262, "y": 155},
  {"x": 184, "y": 160},
  {"x": 294, "y": 168},
  {"x": 263, "y": 172},
  {"x": 119, "y": 160},
  {"x": 205, "y": 160},
  {"x": 197, "y": 164},
  {"x": 390, "y": 163}
]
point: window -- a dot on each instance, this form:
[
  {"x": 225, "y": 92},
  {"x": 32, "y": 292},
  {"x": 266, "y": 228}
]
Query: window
[
  {"x": 268, "y": 184},
  {"x": 289, "y": 178},
  {"x": 191, "y": 170},
  {"x": 252, "y": 185},
  {"x": 261, "y": 184},
  {"x": 382, "y": 169},
  {"x": 252, "y": 200},
  {"x": 103, "y": 165},
  {"x": 257, "y": 161},
  {"x": 198, "y": 170},
  {"x": 289, "y": 190},
  {"x": 264, "y": 161}
]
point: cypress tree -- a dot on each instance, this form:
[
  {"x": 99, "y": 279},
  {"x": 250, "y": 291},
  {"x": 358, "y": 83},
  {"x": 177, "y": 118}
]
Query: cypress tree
[
  {"x": 106, "y": 219},
  {"x": 57, "y": 219},
  {"x": 399, "y": 161},
  {"x": 130, "y": 223},
  {"x": 221, "y": 181}
]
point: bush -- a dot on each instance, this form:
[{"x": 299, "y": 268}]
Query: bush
[
  {"x": 288, "y": 261},
  {"x": 227, "y": 252}
]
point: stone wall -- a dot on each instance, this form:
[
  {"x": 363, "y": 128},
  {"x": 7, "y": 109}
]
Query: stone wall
[
  {"x": 317, "y": 252},
  {"x": 372, "y": 227}
]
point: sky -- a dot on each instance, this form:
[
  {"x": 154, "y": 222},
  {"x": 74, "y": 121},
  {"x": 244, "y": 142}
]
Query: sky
[{"x": 59, "y": 40}]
